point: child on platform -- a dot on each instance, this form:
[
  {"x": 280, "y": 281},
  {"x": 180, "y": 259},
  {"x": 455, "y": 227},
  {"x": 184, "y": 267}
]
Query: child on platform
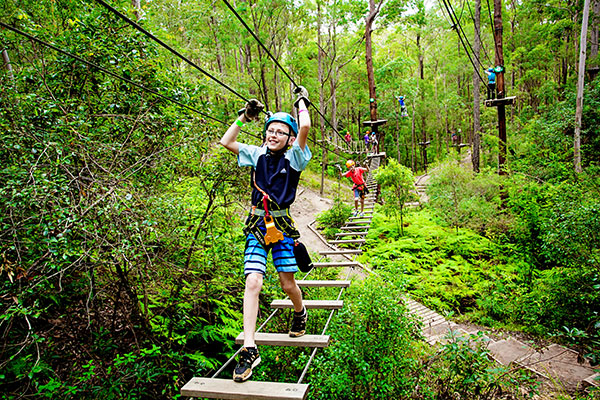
[{"x": 276, "y": 168}]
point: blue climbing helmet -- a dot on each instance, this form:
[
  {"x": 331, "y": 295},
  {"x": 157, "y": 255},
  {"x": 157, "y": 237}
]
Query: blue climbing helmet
[{"x": 282, "y": 117}]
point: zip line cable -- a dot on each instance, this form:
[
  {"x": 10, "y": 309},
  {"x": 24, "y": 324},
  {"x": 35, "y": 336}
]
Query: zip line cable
[
  {"x": 114, "y": 75},
  {"x": 276, "y": 63},
  {"x": 478, "y": 31},
  {"x": 463, "y": 33},
  {"x": 463, "y": 44},
  {"x": 163, "y": 44},
  {"x": 129, "y": 81},
  {"x": 166, "y": 46},
  {"x": 259, "y": 42}
]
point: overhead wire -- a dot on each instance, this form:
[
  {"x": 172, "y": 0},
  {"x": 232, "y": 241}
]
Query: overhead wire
[
  {"x": 463, "y": 33},
  {"x": 238, "y": 16},
  {"x": 117, "y": 76},
  {"x": 169, "y": 48},
  {"x": 166, "y": 46},
  {"x": 478, "y": 31},
  {"x": 462, "y": 42}
]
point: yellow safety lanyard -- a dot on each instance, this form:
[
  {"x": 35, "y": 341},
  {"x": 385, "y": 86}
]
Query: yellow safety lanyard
[{"x": 273, "y": 235}]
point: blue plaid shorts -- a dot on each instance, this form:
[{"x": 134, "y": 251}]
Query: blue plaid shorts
[{"x": 255, "y": 256}]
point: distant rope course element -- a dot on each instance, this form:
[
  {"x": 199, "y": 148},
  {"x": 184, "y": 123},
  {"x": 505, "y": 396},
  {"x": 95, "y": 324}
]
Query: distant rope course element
[
  {"x": 166, "y": 46},
  {"x": 237, "y": 15}
]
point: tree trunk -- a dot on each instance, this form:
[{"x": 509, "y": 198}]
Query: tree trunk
[
  {"x": 321, "y": 97},
  {"x": 137, "y": 9},
  {"x": 369, "y": 59},
  {"x": 580, "y": 84},
  {"x": 594, "y": 36},
  {"x": 476, "y": 87},
  {"x": 500, "y": 88},
  {"x": 7, "y": 64}
]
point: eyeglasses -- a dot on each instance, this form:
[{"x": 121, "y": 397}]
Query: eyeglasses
[{"x": 277, "y": 133}]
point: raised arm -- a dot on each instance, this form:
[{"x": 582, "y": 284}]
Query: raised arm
[
  {"x": 302, "y": 104},
  {"x": 251, "y": 112}
]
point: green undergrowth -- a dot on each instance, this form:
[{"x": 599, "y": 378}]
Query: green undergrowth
[{"x": 470, "y": 278}]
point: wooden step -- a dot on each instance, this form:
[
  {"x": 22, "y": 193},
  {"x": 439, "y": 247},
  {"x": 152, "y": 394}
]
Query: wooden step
[
  {"x": 351, "y": 234},
  {"x": 317, "y": 304},
  {"x": 323, "y": 283},
  {"x": 214, "y": 388},
  {"x": 336, "y": 264},
  {"x": 284, "y": 339},
  {"x": 341, "y": 251},
  {"x": 366, "y": 218},
  {"x": 348, "y": 241},
  {"x": 355, "y": 227}
]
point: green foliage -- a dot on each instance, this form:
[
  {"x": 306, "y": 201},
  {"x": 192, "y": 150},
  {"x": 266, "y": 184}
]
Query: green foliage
[
  {"x": 396, "y": 182},
  {"x": 462, "y": 198},
  {"x": 466, "y": 370},
  {"x": 334, "y": 218},
  {"x": 372, "y": 352}
]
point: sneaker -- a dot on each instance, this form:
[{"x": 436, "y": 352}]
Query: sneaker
[
  {"x": 354, "y": 213},
  {"x": 299, "y": 324},
  {"x": 361, "y": 214},
  {"x": 249, "y": 358}
]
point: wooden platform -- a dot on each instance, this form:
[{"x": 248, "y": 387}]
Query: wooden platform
[
  {"x": 284, "y": 339},
  {"x": 310, "y": 304},
  {"x": 500, "y": 102},
  {"x": 323, "y": 283},
  {"x": 250, "y": 390},
  {"x": 336, "y": 264}
]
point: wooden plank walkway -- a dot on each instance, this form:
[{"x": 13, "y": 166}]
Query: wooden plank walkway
[
  {"x": 215, "y": 388},
  {"x": 310, "y": 304},
  {"x": 252, "y": 390},
  {"x": 284, "y": 339},
  {"x": 323, "y": 283}
]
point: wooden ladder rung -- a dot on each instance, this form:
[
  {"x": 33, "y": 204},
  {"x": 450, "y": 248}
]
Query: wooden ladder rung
[
  {"x": 336, "y": 264},
  {"x": 355, "y": 227},
  {"x": 347, "y": 241},
  {"x": 214, "y": 388},
  {"x": 352, "y": 234},
  {"x": 323, "y": 283},
  {"x": 284, "y": 339},
  {"x": 341, "y": 251},
  {"x": 316, "y": 304}
]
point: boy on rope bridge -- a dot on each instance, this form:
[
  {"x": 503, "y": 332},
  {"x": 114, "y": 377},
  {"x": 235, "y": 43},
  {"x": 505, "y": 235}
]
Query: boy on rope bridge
[
  {"x": 276, "y": 168},
  {"x": 359, "y": 188}
]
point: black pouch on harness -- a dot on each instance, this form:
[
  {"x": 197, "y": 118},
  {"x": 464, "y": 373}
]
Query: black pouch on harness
[{"x": 302, "y": 258}]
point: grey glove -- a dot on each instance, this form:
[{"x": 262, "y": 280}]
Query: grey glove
[
  {"x": 301, "y": 94},
  {"x": 252, "y": 110}
]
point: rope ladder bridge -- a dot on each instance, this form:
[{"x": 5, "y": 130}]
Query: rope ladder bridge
[{"x": 355, "y": 230}]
